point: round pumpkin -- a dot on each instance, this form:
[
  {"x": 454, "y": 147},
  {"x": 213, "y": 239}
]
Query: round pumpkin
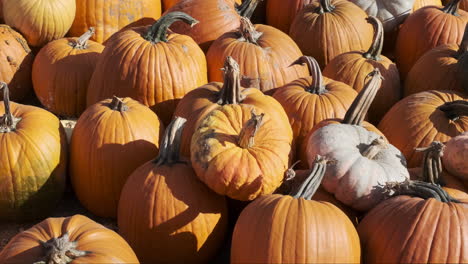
[
  {"x": 315, "y": 32},
  {"x": 422, "y": 118},
  {"x": 456, "y": 156},
  {"x": 109, "y": 16},
  {"x": 264, "y": 55},
  {"x": 33, "y": 160},
  {"x": 295, "y": 229},
  {"x": 40, "y": 21},
  {"x": 17, "y": 61},
  {"x": 110, "y": 140},
  {"x": 151, "y": 65},
  {"x": 74, "y": 239},
  {"x": 241, "y": 151},
  {"x": 428, "y": 28},
  {"x": 62, "y": 71}
]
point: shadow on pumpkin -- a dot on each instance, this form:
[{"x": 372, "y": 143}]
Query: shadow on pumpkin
[{"x": 21, "y": 84}]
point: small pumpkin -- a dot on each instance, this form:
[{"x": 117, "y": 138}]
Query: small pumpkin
[
  {"x": 110, "y": 140},
  {"x": 17, "y": 61},
  {"x": 264, "y": 54},
  {"x": 422, "y": 118},
  {"x": 150, "y": 64},
  {"x": 283, "y": 228},
  {"x": 40, "y": 21},
  {"x": 456, "y": 156},
  {"x": 280, "y": 14},
  {"x": 33, "y": 160},
  {"x": 315, "y": 32},
  {"x": 62, "y": 71},
  {"x": 166, "y": 214},
  {"x": 74, "y": 239}
]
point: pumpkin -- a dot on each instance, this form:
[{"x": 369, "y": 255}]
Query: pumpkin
[
  {"x": 166, "y": 214},
  {"x": 308, "y": 101},
  {"x": 422, "y": 118},
  {"x": 315, "y": 32},
  {"x": 74, "y": 239},
  {"x": 264, "y": 54},
  {"x": 280, "y": 13},
  {"x": 170, "y": 3},
  {"x": 61, "y": 73},
  {"x": 283, "y": 229},
  {"x": 34, "y": 160},
  {"x": 428, "y": 28},
  {"x": 353, "y": 67},
  {"x": 110, "y": 140},
  {"x": 109, "y": 16},
  {"x": 464, "y": 5},
  {"x": 240, "y": 151},
  {"x": 16, "y": 63},
  {"x": 426, "y": 228},
  {"x": 40, "y": 21},
  {"x": 151, "y": 65},
  {"x": 418, "y": 4},
  {"x": 456, "y": 156},
  {"x": 201, "y": 101},
  {"x": 439, "y": 69}
]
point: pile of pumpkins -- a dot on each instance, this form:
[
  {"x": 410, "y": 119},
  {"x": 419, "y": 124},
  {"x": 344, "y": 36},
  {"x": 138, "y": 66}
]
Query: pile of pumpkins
[{"x": 333, "y": 131}]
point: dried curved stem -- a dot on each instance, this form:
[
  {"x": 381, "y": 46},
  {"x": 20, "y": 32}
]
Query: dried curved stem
[
  {"x": 170, "y": 146},
  {"x": 454, "y": 110},
  {"x": 231, "y": 91},
  {"x": 451, "y": 7},
  {"x": 248, "y": 32},
  {"x": 325, "y": 7},
  {"x": 375, "y": 50},
  {"x": 82, "y": 41},
  {"x": 432, "y": 162},
  {"x": 247, "y": 8},
  {"x": 8, "y": 122},
  {"x": 374, "y": 148},
  {"x": 308, "y": 188},
  {"x": 158, "y": 31},
  {"x": 419, "y": 189},
  {"x": 61, "y": 251},
  {"x": 118, "y": 104},
  {"x": 317, "y": 86},
  {"x": 250, "y": 129}
]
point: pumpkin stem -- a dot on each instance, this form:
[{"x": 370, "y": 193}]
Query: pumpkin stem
[
  {"x": 317, "y": 86},
  {"x": 374, "y": 148},
  {"x": 170, "y": 146},
  {"x": 231, "y": 91},
  {"x": 250, "y": 129},
  {"x": 158, "y": 31},
  {"x": 325, "y": 7},
  {"x": 290, "y": 173},
  {"x": 118, "y": 104},
  {"x": 360, "y": 106},
  {"x": 420, "y": 189},
  {"x": 61, "y": 251},
  {"x": 247, "y": 31},
  {"x": 247, "y": 8},
  {"x": 308, "y": 188},
  {"x": 432, "y": 162},
  {"x": 454, "y": 110},
  {"x": 82, "y": 42},
  {"x": 452, "y": 7},
  {"x": 8, "y": 122},
  {"x": 375, "y": 50}
]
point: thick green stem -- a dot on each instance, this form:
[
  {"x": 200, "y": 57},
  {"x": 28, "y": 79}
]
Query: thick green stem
[
  {"x": 82, "y": 42},
  {"x": 118, "y": 104},
  {"x": 317, "y": 86},
  {"x": 432, "y": 163},
  {"x": 8, "y": 122},
  {"x": 61, "y": 251},
  {"x": 158, "y": 31},
  {"x": 375, "y": 50},
  {"x": 231, "y": 91},
  {"x": 374, "y": 148},
  {"x": 454, "y": 110},
  {"x": 452, "y": 7},
  {"x": 170, "y": 147},
  {"x": 419, "y": 189},
  {"x": 308, "y": 188},
  {"x": 250, "y": 129},
  {"x": 247, "y": 8},
  {"x": 325, "y": 7}
]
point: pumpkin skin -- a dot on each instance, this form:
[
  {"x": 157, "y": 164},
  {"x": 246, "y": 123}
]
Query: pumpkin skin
[
  {"x": 101, "y": 244},
  {"x": 456, "y": 156},
  {"x": 61, "y": 74},
  {"x": 229, "y": 166},
  {"x": 280, "y": 14},
  {"x": 425, "y": 29},
  {"x": 464, "y": 5},
  {"x": 40, "y": 21},
  {"x": 131, "y": 66},
  {"x": 16, "y": 63},
  {"x": 418, "y": 4},
  {"x": 170, "y": 3},
  {"x": 415, "y": 122},
  {"x": 34, "y": 163},
  {"x": 109, "y": 16},
  {"x": 264, "y": 55},
  {"x": 316, "y": 37},
  {"x": 110, "y": 140}
]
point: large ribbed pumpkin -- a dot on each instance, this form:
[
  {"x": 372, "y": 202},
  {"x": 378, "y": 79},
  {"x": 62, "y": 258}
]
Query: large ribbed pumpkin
[
  {"x": 280, "y": 13},
  {"x": 16, "y": 61},
  {"x": 264, "y": 55},
  {"x": 109, "y": 16},
  {"x": 151, "y": 65},
  {"x": 327, "y": 28},
  {"x": 422, "y": 118},
  {"x": 61, "y": 73},
  {"x": 166, "y": 214},
  {"x": 294, "y": 229},
  {"x": 33, "y": 160},
  {"x": 40, "y": 21},
  {"x": 74, "y": 239},
  {"x": 110, "y": 140}
]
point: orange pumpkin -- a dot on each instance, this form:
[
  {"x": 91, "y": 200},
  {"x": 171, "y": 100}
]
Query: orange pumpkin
[
  {"x": 16, "y": 63},
  {"x": 110, "y": 140},
  {"x": 61, "y": 73},
  {"x": 166, "y": 214},
  {"x": 74, "y": 239},
  {"x": 280, "y": 13},
  {"x": 422, "y": 118},
  {"x": 294, "y": 229},
  {"x": 151, "y": 65},
  {"x": 464, "y": 5},
  {"x": 170, "y": 3},
  {"x": 418, "y": 4},
  {"x": 455, "y": 157},
  {"x": 109, "y": 16},
  {"x": 315, "y": 32},
  {"x": 248, "y": 46}
]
